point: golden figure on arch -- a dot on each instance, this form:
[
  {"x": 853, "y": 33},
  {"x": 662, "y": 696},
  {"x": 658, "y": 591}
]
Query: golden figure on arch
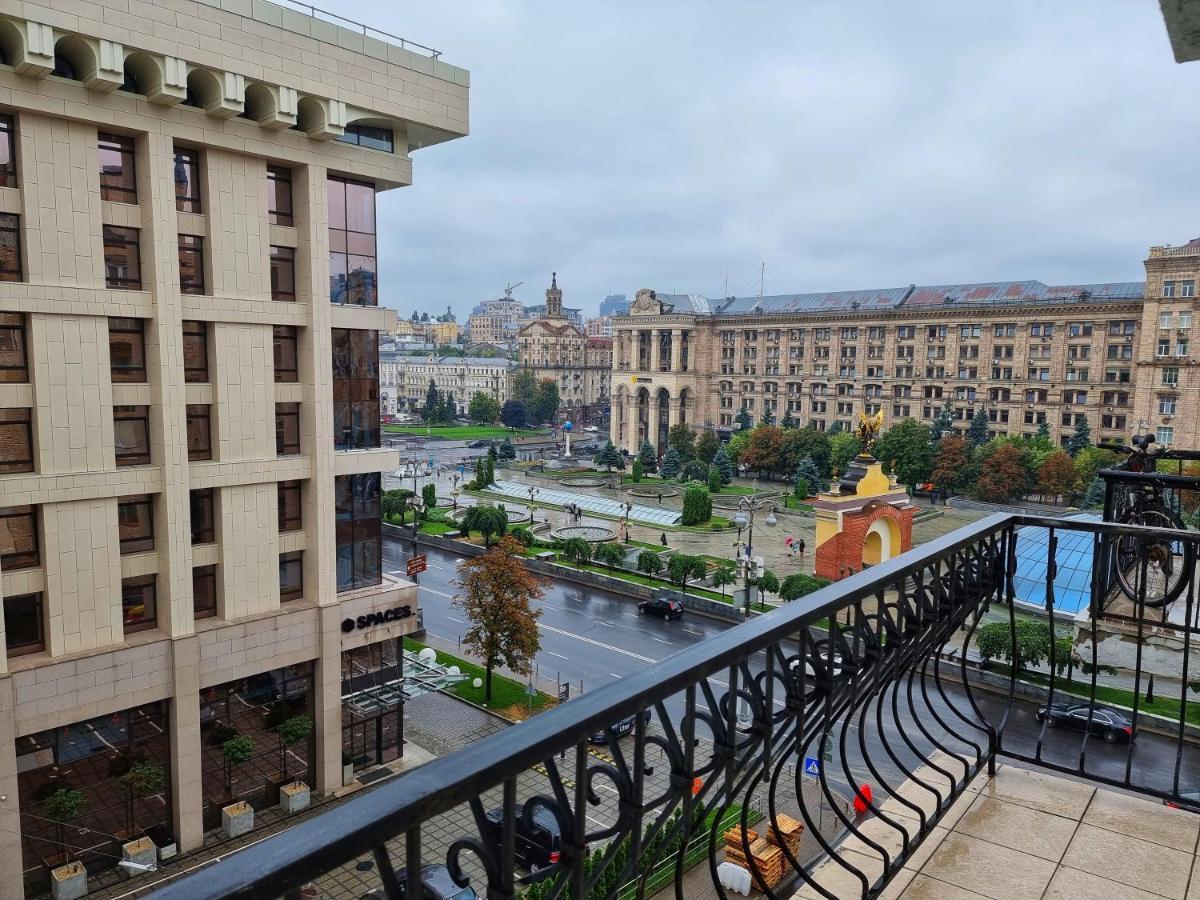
[{"x": 868, "y": 430}]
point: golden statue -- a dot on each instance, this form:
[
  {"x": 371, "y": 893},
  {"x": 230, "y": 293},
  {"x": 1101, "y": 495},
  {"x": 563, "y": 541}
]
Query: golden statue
[{"x": 868, "y": 430}]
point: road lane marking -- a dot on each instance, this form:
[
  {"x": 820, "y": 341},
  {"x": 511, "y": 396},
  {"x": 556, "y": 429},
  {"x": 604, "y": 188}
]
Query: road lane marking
[
  {"x": 595, "y": 643},
  {"x": 459, "y": 621},
  {"x": 661, "y": 641},
  {"x": 439, "y": 593},
  {"x": 614, "y": 674},
  {"x": 693, "y": 631},
  {"x": 559, "y": 655}
]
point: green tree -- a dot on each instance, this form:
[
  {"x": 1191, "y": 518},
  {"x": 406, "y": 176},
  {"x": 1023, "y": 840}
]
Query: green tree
[
  {"x": 648, "y": 456},
  {"x": 908, "y": 448},
  {"x": 507, "y": 450},
  {"x": 683, "y": 439},
  {"x": 489, "y": 470},
  {"x": 743, "y": 420},
  {"x": 798, "y": 585},
  {"x": 483, "y": 409},
  {"x": 736, "y": 445},
  {"x": 943, "y": 422},
  {"x": 449, "y": 407},
  {"x": 523, "y": 388},
  {"x": 722, "y": 464},
  {"x": 429, "y": 496},
  {"x": 808, "y": 473},
  {"x": 62, "y": 806},
  {"x": 576, "y": 550},
  {"x": 805, "y": 442},
  {"x": 843, "y": 447},
  {"x": 610, "y": 555},
  {"x": 609, "y": 457},
  {"x": 836, "y": 427},
  {"x": 545, "y": 401},
  {"x": 977, "y": 432},
  {"x": 649, "y": 562},
  {"x": 1093, "y": 498},
  {"x": 392, "y": 503},
  {"x": 637, "y": 470},
  {"x": 1004, "y": 477},
  {"x": 1043, "y": 432},
  {"x": 237, "y": 751},
  {"x": 432, "y": 411},
  {"x": 523, "y": 536},
  {"x": 995, "y": 641},
  {"x": 145, "y": 778},
  {"x": 513, "y": 414},
  {"x": 768, "y": 418},
  {"x": 723, "y": 576},
  {"x": 1091, "y": 460},
  {"x": 491, "y": 452},
  {"x": 1081, "y": 439},
  {"x": 684, "y": 568},
  {"x": 291, "y": 731},
  {"x": 787, "y": 422},
  {"x": 707, "y": 445},
  {"x": 951, "y": 464},
  {"x": 670, "y": 465},
  {"x": 694, "y": 470},
  {"x": 697, "y": 505},
  {"x": 714, "y": 480},
  {"x": 487, "y": 520}
]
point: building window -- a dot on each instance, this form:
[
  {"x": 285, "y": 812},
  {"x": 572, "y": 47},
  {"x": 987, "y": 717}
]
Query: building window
[
  {"x": 352, "y": 267},
  {"x": 279, "y": 195},
  {"x": 135, "y": 523},
  {"x": 10, "y": 247},
  {"x": 1166, "y": 435},
  {"x": 14, "y": 352},
  {"x": 138, "y": 602},
  {"x": 1168, "y": 289},
  {"x": 19, "y": 544},
  {"x": 24, "y": 631},
  {"x": 356, "y": 504},
  {"x": 287, "y": 429},
  {"x": 291, "y": 576},
  {"x": 1187, "y": 289},
  {"x": 283, "y": 273},
  {"x": 127, "y": 350},
  {"x": 370, "y": 136},
  {"x": 287, "y": 354},
  {"x": 122, "y": 258},
  {"x": 1170, "y": 376},
  {"x": 131, "y": 435},
  {"x": 355, "y": 389},
  {"x": 195, "y": 352},
  {"x": 290, "y": 511},
  {"x": 16, "y": 441},
  {"x": 118, "y": 182},
  {"x": 187, "y": 180},
  {"x": 1166, "y": 406},
  {"x": 204, "y": 515},
  {"x": 191, "y": 264},
  {"x": 204, "y": 592},
  {"x": 199, "y": 431},
  {"x": 8, "y": 152}
]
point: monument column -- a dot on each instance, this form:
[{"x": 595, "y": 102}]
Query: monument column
[
  {"x": 676, "y": 350},
  {"x": 655, "y": 355},
  {"x": 632, "y": 444}
]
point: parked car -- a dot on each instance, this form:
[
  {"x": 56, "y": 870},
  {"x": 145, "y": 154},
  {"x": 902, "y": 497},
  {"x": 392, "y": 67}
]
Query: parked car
[
  {"x": 538, "y": 835},
  {"x": 475, "y": 445},
  {"x": 1110, "y": 724},
  {"x": 591, "y": 429},
  {"x": 622, "y": 728},
  {"x": 436, "y": 884},
  {"x": 665, "y": 607}
]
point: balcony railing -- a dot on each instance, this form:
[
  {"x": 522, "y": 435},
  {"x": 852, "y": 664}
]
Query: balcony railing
[{"x": 874, "y": 680}]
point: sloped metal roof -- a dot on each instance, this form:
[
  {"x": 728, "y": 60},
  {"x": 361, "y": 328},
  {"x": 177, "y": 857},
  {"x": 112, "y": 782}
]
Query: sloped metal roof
[
  {"x": 878, "y": 298},
  {"x": 997, "y": 293}
]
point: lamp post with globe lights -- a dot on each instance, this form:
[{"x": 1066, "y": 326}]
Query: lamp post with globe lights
[{"x": 744, "y": 518}]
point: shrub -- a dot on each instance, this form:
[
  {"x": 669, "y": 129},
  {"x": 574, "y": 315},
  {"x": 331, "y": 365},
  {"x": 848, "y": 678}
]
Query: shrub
[
  {"x": 649, "y": 562},
  {"x": 670, "y": 464},
  {"x": 429, "y": 496},
  {"x": 714, "y": 480},
  {"x": 697, "y": 505},
  {"x": 576, "y": 550},
  {"x": 638, "y": 470}
]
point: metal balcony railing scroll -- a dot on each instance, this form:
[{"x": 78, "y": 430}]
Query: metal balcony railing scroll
[{"x": 876, "y": 680}]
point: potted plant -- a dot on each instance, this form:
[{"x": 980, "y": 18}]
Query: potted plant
[
  {"x": 294, "y": 795},
  {"x": 238, "y": 817},
  {"x": 144, "y": 778},
  {"x": 68, "y": 879}
]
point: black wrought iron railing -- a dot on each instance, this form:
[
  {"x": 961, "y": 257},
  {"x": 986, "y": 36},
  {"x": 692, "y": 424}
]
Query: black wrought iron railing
[{"x": 881, "y": 696}]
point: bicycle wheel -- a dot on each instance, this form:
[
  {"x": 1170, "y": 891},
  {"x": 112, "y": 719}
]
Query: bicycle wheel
[{"x": 1164, "y": 565}]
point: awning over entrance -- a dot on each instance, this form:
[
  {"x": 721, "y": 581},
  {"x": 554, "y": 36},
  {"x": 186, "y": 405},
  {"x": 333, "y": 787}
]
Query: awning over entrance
[{"x": 420, "y": 677}]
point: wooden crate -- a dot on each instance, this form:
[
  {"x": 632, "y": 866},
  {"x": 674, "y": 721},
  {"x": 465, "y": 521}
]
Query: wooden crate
[
  {"x": 788, "y": 834},
  {"x": 733, "y": 837}
]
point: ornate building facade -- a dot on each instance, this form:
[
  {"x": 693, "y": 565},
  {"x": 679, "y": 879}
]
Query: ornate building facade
[
  {"x": 557, "y": 348},
  {"x": 1117, "y": 355}
]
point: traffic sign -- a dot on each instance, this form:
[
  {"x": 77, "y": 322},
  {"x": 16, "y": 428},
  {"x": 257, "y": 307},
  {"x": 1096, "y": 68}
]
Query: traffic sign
[
  {"x": 812, "y": 766},
  {"x": 564, "y": 692},
  {"x": 416, "y": 564}
]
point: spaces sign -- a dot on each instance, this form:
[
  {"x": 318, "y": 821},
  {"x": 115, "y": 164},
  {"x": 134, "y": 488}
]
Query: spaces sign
[{"x": 382, "y": 617}]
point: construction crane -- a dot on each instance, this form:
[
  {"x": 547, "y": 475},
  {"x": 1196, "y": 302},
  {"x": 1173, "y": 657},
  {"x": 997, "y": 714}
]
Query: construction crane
[{"x": 512, "y": 287}]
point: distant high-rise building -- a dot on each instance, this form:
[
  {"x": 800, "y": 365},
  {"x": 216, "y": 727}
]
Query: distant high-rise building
[{"x": 614, "y": 305}]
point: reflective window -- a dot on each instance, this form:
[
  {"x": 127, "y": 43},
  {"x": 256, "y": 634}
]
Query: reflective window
[
  {"x": 287, "y": 365},
  {"x": 131, "y": 435},
  {"x": 191, "y": 264},
  {"x": 24, "y": 631},
  {"x": 19, "y": 544},
  {"x": 370, "y": 136},
  {"x": 187, "y": 180},
  {"x": 291, "y": 576},
  {"x": 122, "y": 258},
  {"x": 204, "y": 592},
  {"x": 14, "y": 352},
  {"x": 355, "y": 389},
  {"x": 8, "y": 152},
  {"x": 287, "y": 429},
  {"x": 195, "y": 352},
  {"x": 356, "y": 504},
  {"x": 279, "y": 195},
  {"x": 283, "y": 273},
  {"x": 16, "y": 441},
  {"x": 10, "y": 247},
  {"x": 199, "y": 431},
  {"x": 290, "y": 511},
  {"x": 352, "y": 264},
  {"x": 118, "y": 181},
  {"x": 203, "y": 515},
  {"x": 135, "y": 523},
  {"x": 127, "y": 350},
  {"x": 138, "y": 596}
]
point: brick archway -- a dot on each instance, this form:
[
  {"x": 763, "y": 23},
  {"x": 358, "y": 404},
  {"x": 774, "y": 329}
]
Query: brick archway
[{"x": 869, "y": 535}]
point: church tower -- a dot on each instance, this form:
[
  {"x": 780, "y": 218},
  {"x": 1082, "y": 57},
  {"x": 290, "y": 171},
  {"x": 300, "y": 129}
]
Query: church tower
[{"x": 554, "y": 299}]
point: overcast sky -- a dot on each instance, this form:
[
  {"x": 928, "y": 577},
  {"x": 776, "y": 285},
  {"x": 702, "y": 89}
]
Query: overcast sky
[{"x": 846, "y": 145}]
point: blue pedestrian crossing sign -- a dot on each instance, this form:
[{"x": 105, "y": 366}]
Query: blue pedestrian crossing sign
[{"x": 812, "y": 766}]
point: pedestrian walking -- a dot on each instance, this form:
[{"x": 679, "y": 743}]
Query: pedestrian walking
[
  {"x": 660, "y": 498},
  {"x": 664, "y": 539},
  {"x": 801, "y": 546}
]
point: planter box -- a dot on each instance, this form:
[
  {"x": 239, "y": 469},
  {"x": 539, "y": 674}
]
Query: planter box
[
  {"x": 141, "y": 852},
  {"x": 68, "y": 882},
  {"x": 294, "y": 797},
  {"x": 237, "y": 819},
  {"x": 347, "y": 774}
]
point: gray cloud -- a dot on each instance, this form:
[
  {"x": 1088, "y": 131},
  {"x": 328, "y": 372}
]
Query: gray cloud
[{"x": 674, "y": 145}]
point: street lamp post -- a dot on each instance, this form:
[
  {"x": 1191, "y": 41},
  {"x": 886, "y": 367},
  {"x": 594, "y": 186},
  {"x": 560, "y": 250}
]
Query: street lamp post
[
  {"x": 532, "y": 492},
  {"x": 744, "y": 518}
]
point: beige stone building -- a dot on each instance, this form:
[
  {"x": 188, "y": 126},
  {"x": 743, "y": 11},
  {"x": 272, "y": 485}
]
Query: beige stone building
[
  {"x": 188, "y": 254},
  {"x": 404, "y": 379},
  {"x": 557, "y": 348},
  {"x": 1022, "y": 353}
]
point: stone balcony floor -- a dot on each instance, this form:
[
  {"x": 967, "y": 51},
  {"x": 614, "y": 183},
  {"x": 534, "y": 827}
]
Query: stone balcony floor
[{"x": 1025, "y": 835}]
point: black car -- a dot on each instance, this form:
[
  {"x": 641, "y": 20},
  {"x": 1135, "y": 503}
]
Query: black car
[
  {"x": 661, "y": 606},
  {"x": 1110, "y": 724},
  {"x": 476, "y": 445},
  {"x": 622, "y": 728},
  {"x": 436, "y": 884},
  {"x": 538, "y": 835}
]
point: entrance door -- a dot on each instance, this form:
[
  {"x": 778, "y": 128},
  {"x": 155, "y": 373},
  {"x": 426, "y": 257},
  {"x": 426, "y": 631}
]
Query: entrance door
[{"x": 356, "y": 745}]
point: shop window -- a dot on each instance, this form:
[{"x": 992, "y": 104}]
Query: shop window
[
  {"x": 135, "y": 523},
  {"x": 127, "y": 350}
]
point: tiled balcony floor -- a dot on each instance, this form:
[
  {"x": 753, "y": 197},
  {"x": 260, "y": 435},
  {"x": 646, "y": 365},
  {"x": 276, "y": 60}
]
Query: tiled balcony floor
[{"x": 1026, "y": 835}]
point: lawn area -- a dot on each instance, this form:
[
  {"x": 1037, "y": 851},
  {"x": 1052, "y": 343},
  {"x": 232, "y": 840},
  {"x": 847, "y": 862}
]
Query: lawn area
[
  {"x": 434, "y": 525},
  {"x": 639, "y": 578},
  {"x": 506, "y": 693},
  {"x": 790, "y": 502},
  {"x": 465, "y": 432}
]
